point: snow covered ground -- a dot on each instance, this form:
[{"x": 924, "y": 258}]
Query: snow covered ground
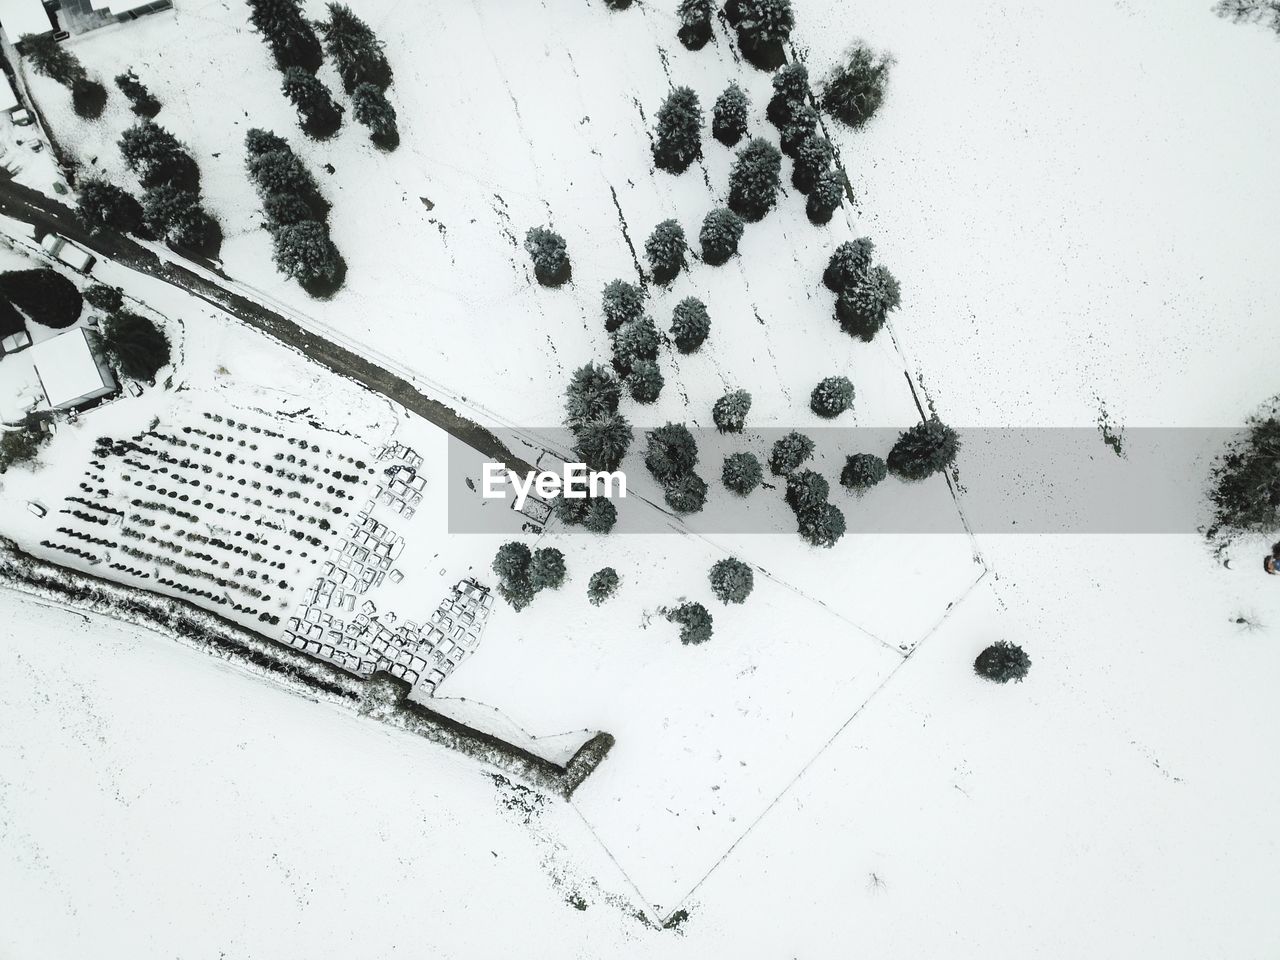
[{"x": 1078, "y": 201}]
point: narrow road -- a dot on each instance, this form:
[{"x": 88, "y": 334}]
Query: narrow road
[{"x": 32, "y": 207}]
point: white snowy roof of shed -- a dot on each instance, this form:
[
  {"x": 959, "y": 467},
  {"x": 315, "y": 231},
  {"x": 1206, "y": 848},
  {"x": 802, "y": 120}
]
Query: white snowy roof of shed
[
  {"x": 23, "y": 16},
  {"x": 66, "y": 367}
]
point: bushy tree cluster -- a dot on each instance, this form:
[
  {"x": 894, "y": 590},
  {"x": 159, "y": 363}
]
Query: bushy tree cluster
[
  {"x": 729, "y": 115},
  {"x": 695, "y": 23},
  {"x": 296, "y": 213},
  {"x": 855, "y": 89},
  {"x": 730, "y": 411},
  {"x": 827, "y": 195},
  {"x": 817, "y": 519},
  {"x": 602, "y": 435},
  {"x": 634, "y": 342},
  {"x": 665, "y": 250},
  {"x": 619, "y": 302},
  {"x": 789, "y": 452},
  {"x": 141, "y": 101},
  {"x": 741, "y": 473},
  {"x": 790, "y": 91},
  {"x": 371, "y": 109},
  {"x": 719, "y": 236},
  {"x": 754, "y": 180},
  {"x": 695, "y": 622},
  {"x": 319, "y": 114},
  {"x": 731, "y": 580},
  {"x": 862, "y": 471},
  {"x": 171, "y": 202},
  {"x": 763, "y": 27},
  {"x": 800, "y": 126},
  {"x": 354, "y": 49},
  {"x": 602, "y": 585},
  {"x": 44, "y": 295},
  {"x": 523, "y": 573},
  {"x": 865, "y": 295},
  {"x": 289, "y": 35},
  {"x": 1001, "y": 662},
  {"x": 550, "y": 256},
  {"x": 678, "y": 137},
  {"x": 19, "y": 445},
  {"x": 690, "y": 324},
  {"x": 51, "y": 59},
  {"x": 831, "y": 397},
  {"x": 105, "y": 298},
  {"x": 806, "y": 489},
  {"x": 671, "y": 453},
  {"x": 1246, "y": 480},
  {"x": 103, "y": 204},
  {"x": 923, "y": 450},
  {"x": 134, "y": 344},
  {"x": 811, "y": 158}
]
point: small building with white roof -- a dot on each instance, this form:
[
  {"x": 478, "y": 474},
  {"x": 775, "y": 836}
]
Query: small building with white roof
[{"x": 71, "y": 369}]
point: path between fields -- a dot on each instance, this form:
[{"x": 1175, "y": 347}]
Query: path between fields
[{"x": 32, "y": 207}]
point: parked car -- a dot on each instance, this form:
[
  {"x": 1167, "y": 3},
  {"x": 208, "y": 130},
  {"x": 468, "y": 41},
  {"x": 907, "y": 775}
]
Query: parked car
[
  {"x": 73, "y": 256},
  {"x": 35, "y": 508}
]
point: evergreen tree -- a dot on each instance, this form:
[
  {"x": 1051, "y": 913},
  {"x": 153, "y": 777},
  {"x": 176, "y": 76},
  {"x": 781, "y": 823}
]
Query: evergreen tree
[
  {"x": 636, "y": 340},
  {"x": 862, "y": 471},
  {"x": 731, "y": 580},
  {"x": 617, "y": 4},
  {"x": 805, "y": 489},
  {"x": 690, "y": 324},
  {"x": 813, "y": 157},
  {"x": 923, "y": 450},
  {"x": 143, "y": 103},
  {"x": 570, "y": 511},
  {"x": 621, "y": 301},
  {"x": 285, "y": 209},
  {"x": 103, "y": 204},
  {"x": 695, "y": 23},
  {"x": 645, "y": 381},
  {"x": 601, "y": 515},
  {"x": 1002, "y": 662},
  {"x": 319, "y": 115},
  {"x": 156, "y": 156},
  {"x": 741, "y": 473},
  {"x": 832, "y": 397},
  {"x": 730, "y": 411},
  {"x": 593, "y": 393},
  {"x": 51, "y": 59},
  {"x": 826, "y": 196},
  {"x": 177, "y": 215},
  {"x": 695, "y": 623},
  {"x": 678, "y": 137},
  {"x": 790, "y": 88},
  {"x": 304, "y": 252},
  {"x": 686, "y": 494},
  {"x": 44, "y": 295},
  {"x": 802, "y": 125},
  {"x": 512, "y": 564},
  {"x": 602, "y": 585},
  {"x": 11, "y": 321},
  {"x": 258, "y": 142},
  {"x": 1246, "y": 480},
  {"x": 855, "y": 90},
  {"x": 849, "y": 263},
  {"x": 729, "y": 116},
  {"x": 670, "y": 452},
  {"x": 355, "y": 50},
  {"x": 19, "y": 445},
  {"x": 821, "y": 524},
  {"x": 289, "y": 35},
  {"x": 88, "y": 98},
  {"x": 278, "y": 172},
  {"x": 370, "y": 107},
  {"x": 135, "y": 345},
  {"x": 104, "y": 298},
  {"x": 547, "y": 569},
  {"x": 721, "y": 231},
  {"x": 789, "y": 452},
  {"x": 603, "y": 443},
  {"x": 549, "y": 254},
  {"x": 665, "y": 250},
  {"x": 765, "y": 25},
  {"x": 753, "y": 184},
  {"x": 863, "y": 308}
]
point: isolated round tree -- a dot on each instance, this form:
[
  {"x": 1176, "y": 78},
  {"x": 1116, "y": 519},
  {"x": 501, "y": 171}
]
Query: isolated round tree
[
  {"x": 831, "y": 397},
  {"x": 621, "y": 301},
  {"x": 550, "y": 256},
  {"x": 855, "y": 89},
  {"x": 730, "y": 411},
  {"x": 665, "y": 250},
  {"x": 862, "y": 471},
  {"x": 731, "y": 580},
  {"x": 547, "y": 569},
  {"x": 719, "y": 236},
  {"x": 690, "y": 324},
  {"x": 1002, "y": 662},
  {"x": 602, "y": 585},
  {"x": 741, "y": 473},
  {"x": 923, "y": 450},
  {"x": 729, "y": 115},
  {"x": 695, "y": 623}
]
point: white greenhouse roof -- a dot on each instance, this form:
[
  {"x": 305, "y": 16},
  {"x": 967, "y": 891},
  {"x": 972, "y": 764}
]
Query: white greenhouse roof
[
  {"x": 23, "y": 16},
  {"x": 67, "y": 368}
]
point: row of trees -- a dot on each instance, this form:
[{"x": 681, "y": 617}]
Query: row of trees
[
  {"x": 170, "y": 179},
  {"x": 296, "y": 214}
]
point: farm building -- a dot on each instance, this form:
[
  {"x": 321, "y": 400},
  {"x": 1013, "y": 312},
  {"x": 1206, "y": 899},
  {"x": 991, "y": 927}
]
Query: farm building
[
  {"x": 20, "y": 17},
  {"x": 71, "y": 369}
]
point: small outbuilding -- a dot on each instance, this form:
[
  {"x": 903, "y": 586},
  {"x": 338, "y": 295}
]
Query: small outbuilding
[{"x": 71, "y": 369}]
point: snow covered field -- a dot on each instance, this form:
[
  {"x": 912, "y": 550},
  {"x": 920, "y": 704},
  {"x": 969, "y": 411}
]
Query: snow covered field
[{"x": 1078, "y": 201}]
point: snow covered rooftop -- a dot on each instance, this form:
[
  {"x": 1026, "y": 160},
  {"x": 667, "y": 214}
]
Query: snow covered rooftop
[
  {"x": 67, "y": 369},
  {"x": 19, "y": 17}
]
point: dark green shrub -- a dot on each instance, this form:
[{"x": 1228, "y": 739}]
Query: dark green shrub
[
  {"x": 802, "y": 125},
  {"x": 354, "y": 49},
  {"x": 670, "y": 452},
  {"x": 849, "y": 263},
  {"x": 862, "y": 471},
  {"x": 813, "y": 157},
  {"x": 1246, "y": 480},
  {"x": 88, "y": 98},
  {"x": 546, "y": 569},
  {"x": 690, "y": 324},
  {"x": 602, "y": 585},
  {"x": 923, "y": 450},
  {"x": 790, "y": 88},
  {"x": 141, "y": 100},
  {"x": 319, "y": 114},
  {"x": 855, "y": 90},
  {"x": 719, "y": 236},
  {"x": 645, "y": 381},
  {"x": 621, "y": 301},
  {"x": 730, "y": 411},
  {"x": 763, "y": 27},
  {"x": 134, "y": 343},
  {"x": 636, "y": 340},
  {"x": 695, "y": 23},
  {"x": 103, "y": 204},
  {"x": 686, "y": 494},
  {"x": 789, "y": 452},
  {"x": 19, "y": 445},
  {"x": 695, "y": 622},
  {"x": 821, "y": 524},
  {"x": 593, "y": 392},
  {"x": 731, "y": 580},
  {"x": 304, "y": 252},
  {"x": 602, "y": 443},
  {"x": 665, "y": 250},
  {"x": 107, "y": 299},
  {"x": 831, "y": 397},
  {"x": 549, "y": 254},
  {"x": 753, "y": 183},
  {"x": 678, "y": 137},
  {"x": 371, "y": 109},
  {"x": 741, "y": 473},
  {"x": 1002, "y": 662},
  {"x": 287, "y": 32},
  {"x": 729, "y": 115},
  {"x": 863, "y": 308},
  {"x": 601, "y": 515},
  {"x": 46, "y": 296},
  {"x": 806, "y": 489},
  {"x": 826, "y": 197}
]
